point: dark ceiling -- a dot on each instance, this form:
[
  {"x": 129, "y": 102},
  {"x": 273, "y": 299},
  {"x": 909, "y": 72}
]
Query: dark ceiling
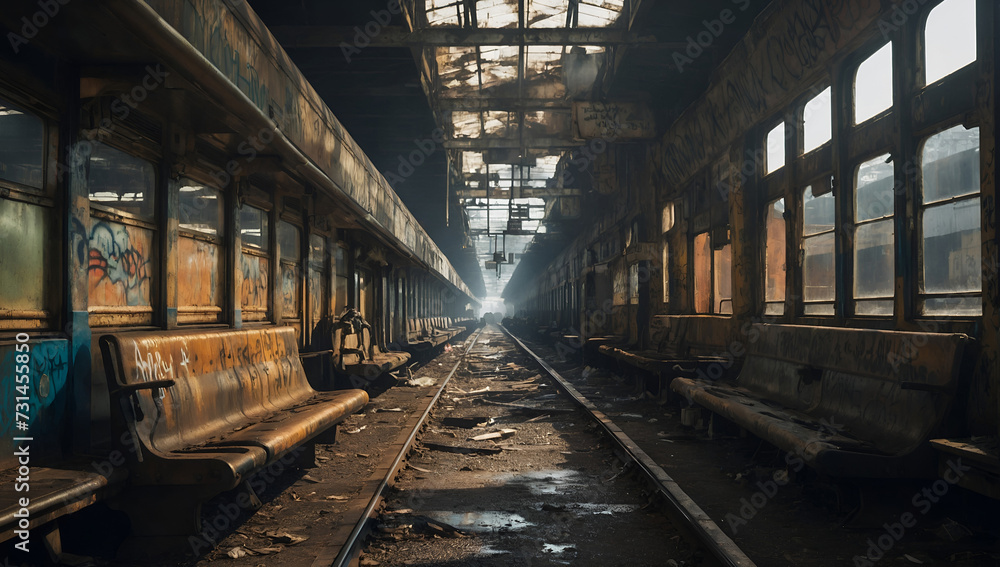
[{"x": 378, "y": 96}]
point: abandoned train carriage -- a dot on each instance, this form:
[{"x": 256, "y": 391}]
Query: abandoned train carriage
[
  {"x": 819, "y": 243},
  {"x": 164, "y": 166}
]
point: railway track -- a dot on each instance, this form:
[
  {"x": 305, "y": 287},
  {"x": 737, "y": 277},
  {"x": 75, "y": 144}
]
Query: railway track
[{"x": 388, "y": 521}]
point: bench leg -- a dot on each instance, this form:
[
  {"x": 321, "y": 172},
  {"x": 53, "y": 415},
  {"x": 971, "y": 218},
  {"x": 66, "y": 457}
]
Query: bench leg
[{"x": 164, "y": 520}]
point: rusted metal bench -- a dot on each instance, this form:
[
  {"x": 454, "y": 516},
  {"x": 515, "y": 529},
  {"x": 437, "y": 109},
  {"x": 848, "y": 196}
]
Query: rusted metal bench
[
  {"x": 54, "y": 492},
  {"x": 205, "y": 411},
  {"x": 417, "y": 340},
  {"x": 849, "y": 402},
  {"x": 684, "y": 344},
  {"x": 357, "y": 355}
]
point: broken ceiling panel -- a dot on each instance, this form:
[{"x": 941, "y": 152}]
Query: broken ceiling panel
[{"x": 507, "y": 103}]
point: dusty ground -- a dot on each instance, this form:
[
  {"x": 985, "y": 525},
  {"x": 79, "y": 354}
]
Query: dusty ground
[{"x": 552, "y": 494}]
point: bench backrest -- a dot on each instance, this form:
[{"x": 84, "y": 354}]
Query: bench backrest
[
  {"x": 691, "y": 334},
  {"x": 350, "y": 343},
  {"x": 890, "y": 388},
  {"x": 223, "y": 380}
]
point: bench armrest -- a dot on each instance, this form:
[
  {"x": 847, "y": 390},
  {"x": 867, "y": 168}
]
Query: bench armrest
[{"x": 153, "y": 385}]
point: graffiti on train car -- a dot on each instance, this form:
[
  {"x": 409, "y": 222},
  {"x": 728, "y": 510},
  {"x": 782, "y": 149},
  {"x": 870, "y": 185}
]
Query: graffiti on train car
[
  {"x": 262, "y": 71},
  {"x": 290, "y": 288},
  {"x": 48, "y": 400},
  {"x": 801, "y": 38},
  {"x": 200, "y": 271},
  {"x": 119, "y": 265},
  {"x": 253, "y": 291}
]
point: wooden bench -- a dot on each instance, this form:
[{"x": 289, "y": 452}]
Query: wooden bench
[
  {"x": 34, "y": 467},
  {"x": 205, "y": 411},
  {"x": 850, "y": 402},
  {"x": 683, "y": 345},
  {"x": 357, "y": 355}
]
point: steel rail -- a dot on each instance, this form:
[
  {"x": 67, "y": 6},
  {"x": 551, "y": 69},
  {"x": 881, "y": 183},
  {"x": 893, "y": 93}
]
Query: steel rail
[
  {"x": 350, "y": 548},
  {"x": 704, "y": 529}
]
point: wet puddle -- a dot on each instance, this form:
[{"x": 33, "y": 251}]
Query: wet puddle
[{"x": 482, "y": 522}]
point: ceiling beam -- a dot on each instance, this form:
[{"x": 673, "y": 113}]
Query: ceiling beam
[
  {"x": 518, "y": 193},
  {"x": 501, "y": 104},
  {"x": 292, "y": 37},
  {"x": 478, "y": 144}
]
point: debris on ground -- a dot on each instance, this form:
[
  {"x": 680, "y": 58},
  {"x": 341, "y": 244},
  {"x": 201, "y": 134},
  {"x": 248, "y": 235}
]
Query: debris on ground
[
  {"x": 502, "y": 434},
  {"x": 463, "y": 450}
]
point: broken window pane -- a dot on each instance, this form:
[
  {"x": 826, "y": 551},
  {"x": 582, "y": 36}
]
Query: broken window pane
[
  {"x": 875, "y": 190},
  {"x": 666, "y": 272},
  {"x": 873, "y": 259},
  {"x": 723, "y": 280},
  {"x": 254, "y": 228},
  {"x": 818, "y": 213},
  {"x": 776, "y": 148},
  {"x": 22, "y": 146},
  {"x": 949, "y": 38},
  {"x": 950, "y": 227},
  {"x": 702, "y": 274},
  {"x": 950, "y": 164},
  {"x": 873, "y": 85},
  {"x": 819, "y": 268},
  {"x": 633, "y": 284},
  {"x": 121, "y": 181},
  {"x": 774, "y": 262},
  {"x": 817, "y": 121},
  {"x": 200, "y": 208}
]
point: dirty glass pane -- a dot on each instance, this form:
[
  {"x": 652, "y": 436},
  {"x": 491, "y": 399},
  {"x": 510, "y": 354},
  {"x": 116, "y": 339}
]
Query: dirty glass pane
[
  {"x": 702, "y": 274},
  {"x": 776, "y": 148},
  {"x": 873, "y": 198},
  {"x": 819, "y": 309},
  {"x": 949, "y": 38},
  {"x": 254, "y": 228},
  {"x": 633, "y": 284},
  {"x": 954, "y": 306},
  {"x": 619, "y": 283},
  {"x": 122, "y": 182},
  {"x": 873, "y": 85},
  {"x": 952, "y": 247},
  {"x": 340, "y": 282},
  {"x": 200, "y": 208},
  {"x": 874, "y": 260},
  {"x": 22, "y": 146},
  {"x": 950, "y": 164},
  {"x": 819, "y": 268},
  {"x": 818, "y": 213},
  {"x": 817, "y": 119},
  {"x": 774, "y": 246},
  {"x": 666, "y": 272},
  {"x": 27, "y": 257},
  {"x": 723, "y": 280},
  {"x": 290, "y": 241},
  {"x": 879, "y": 307}
]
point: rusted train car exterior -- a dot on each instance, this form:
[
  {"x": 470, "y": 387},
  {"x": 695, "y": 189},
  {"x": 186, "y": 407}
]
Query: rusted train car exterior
[
  {"x": 834, "y": 187},
  {"x": 164, "y": 166}
]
